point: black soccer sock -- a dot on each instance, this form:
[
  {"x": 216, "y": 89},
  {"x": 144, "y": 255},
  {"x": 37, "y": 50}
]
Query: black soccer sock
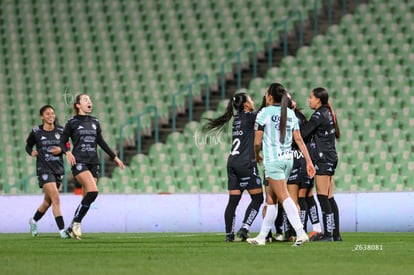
[
  {"x": 253, "y": 209},
  {"x": 230, "y": 213},
  {"x": 303, "y": 212},
  {"x": 59, "y": 222},
  {"x": 279, "y": 220},
  {"x": 83, "y": 207},
  {"x": 38, "y": 215},
  {"x": 335, "y": 211},
  {"x": 287, "y": 228},
  {"x": 313, "y": 210},
  {"x": 327, "y": 215}
]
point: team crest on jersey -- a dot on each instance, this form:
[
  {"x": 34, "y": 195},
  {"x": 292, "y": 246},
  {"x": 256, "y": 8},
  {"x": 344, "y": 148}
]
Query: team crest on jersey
[
  {"x": 57, "y": 135},
  {"x": 45, "y": 176},
  {"x": 94, "y": 126},
  {"x": 79, "y": 166}
]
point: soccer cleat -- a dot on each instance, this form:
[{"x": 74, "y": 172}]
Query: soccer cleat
[
  {"x": 300, "y": 240},
  {"x": 70, "y": 233},
  {"x": 64, "y": 234},
  {"x": 256, "y": 241},
  {"x": 242, "y": 235},
  {"x": 76, "y": 229},
  {"x": 326, "y": 239},
  {"x": 315, "y": 236},
  {"x": 229, "y": 237},
  {"x": 281, "y": 238},
  {"x": 270, "y": 238},
  {"x": 337, "y": 238},
  {"x": 33, "y": 227}
]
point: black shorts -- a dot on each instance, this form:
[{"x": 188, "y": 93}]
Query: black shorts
[
  {"x": 240, "y": 178},
  {"x": 325, "y": 163},
  {"x": 299, "y": 175},
  {"x": 325, "y": 168},
  {"x": 49, "y": 177},
  {"x": 78, "y": 168}
]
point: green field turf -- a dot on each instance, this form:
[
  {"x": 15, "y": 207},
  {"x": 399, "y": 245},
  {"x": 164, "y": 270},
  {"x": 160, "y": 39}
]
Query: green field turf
[{"x": 203, "y": 253}]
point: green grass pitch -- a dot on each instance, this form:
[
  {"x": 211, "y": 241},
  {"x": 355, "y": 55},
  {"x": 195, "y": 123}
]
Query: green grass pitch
[{"x": 203, "y": 253}]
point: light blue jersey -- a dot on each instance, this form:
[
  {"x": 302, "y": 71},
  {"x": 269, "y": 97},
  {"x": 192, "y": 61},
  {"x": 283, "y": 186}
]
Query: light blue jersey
[{"x": 275, "y": 152}]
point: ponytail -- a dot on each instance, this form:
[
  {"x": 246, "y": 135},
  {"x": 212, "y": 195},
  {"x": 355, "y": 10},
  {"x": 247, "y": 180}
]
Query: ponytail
[
  {"x": 279, "y": 94},
  {"x": 217, "y": 124},
  {"x": 283, "y": 117},
  {"x": 337, "y": 132}
]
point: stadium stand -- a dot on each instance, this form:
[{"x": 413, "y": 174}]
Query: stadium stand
[{"x": 131, "y": 54}]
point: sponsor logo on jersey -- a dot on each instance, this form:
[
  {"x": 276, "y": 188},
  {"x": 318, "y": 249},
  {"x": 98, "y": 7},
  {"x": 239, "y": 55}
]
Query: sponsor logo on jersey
[
  {"x": 80, "y": 127},
  {"x": 94, "y": 126},
  {"x": 43, "y": 138}
]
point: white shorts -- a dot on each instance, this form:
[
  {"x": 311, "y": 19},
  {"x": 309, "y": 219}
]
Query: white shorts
[{"x": 278, "y": 170}]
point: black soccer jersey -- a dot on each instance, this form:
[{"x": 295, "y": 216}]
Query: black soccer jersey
[
  {"x": 321, "y": 127},
  {"x": 85, "y": 133},
  {"x": 46, "y": 162},
  {"x": 242, "y": 149}
]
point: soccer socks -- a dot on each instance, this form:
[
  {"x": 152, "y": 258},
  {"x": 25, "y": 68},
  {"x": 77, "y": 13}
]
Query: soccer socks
[
  {"x": 252, "y": 210},
  {"x": 279, "y": 220},
  {"x": 303, "y": 212},
  {"x": 268, "y": 221},
  {"x": 335, "y": 211},
  {"x": 314, "y": 214},
  {"x": 38, "y": 215},
  {"x": 327, "y": 214},
  {"x": 59, "y": 222},
  {"x": 230, "y": 213},
  {"x": 293, "y": 216},
  {"x": 84, "y": 206}
]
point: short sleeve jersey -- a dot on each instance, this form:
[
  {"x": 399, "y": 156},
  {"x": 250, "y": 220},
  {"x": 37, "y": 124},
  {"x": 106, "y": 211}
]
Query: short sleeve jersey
[
  {"x": 242, "y": 150},
  {"x": 46, "y": 162},
  {"x": 269, "y": 119}
]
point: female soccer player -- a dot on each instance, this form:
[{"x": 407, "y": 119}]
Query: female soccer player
[
  {"x": 274, "y": 128},
  {"x": 300, "y": 185},
  {"x": 324, "y": 128},
  {"x": 85, "y": 133},
  {"x": 242, "y": 170},
  {"x": 49, "y": 163}
]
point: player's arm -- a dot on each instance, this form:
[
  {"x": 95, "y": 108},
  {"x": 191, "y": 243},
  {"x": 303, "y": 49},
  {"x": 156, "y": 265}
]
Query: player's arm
[
  {"x": 258, "y": 138},
  {"x": 102, "y": 143},
  {"x": 310, "y": 127},
  {"x": 299, "y": 141},
  {"x": 30, "y": 142}
]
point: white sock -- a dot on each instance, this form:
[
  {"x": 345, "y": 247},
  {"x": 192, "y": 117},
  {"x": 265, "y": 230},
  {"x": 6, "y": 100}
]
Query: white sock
[
  {"x": 293, "y": 216},
  {"x": 317, "y": 227},
  {"x": 268, "y": 221}
]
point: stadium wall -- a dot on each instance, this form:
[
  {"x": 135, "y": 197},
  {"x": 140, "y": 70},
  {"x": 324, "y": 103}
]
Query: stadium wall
[{"x": 360, "y": 212}]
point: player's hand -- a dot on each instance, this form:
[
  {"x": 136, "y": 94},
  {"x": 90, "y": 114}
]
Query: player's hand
[
  {"x": 55, "y": 150},
  {"x": 34, "y": 153},
  {"x": 120, "y": 163},
  {"x": 310, "y": 169},
  {"x": 70, "y": 158},
  {"x": 259, "y": 158}
]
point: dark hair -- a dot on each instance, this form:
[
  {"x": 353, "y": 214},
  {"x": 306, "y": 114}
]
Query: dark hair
[
  {"x": 43, "y": 109},
  {"x": 77, "y": 101},
  {"x": 323, "y": 95},
  {"x": 217, "y": 124},
  {"x": 279, "y": 94}
]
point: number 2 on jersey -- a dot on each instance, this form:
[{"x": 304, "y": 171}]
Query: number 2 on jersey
[{"x": 235, "y": 147}]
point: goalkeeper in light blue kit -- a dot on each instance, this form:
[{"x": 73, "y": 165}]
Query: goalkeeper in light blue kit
[{"x": 276, "y": 125}]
